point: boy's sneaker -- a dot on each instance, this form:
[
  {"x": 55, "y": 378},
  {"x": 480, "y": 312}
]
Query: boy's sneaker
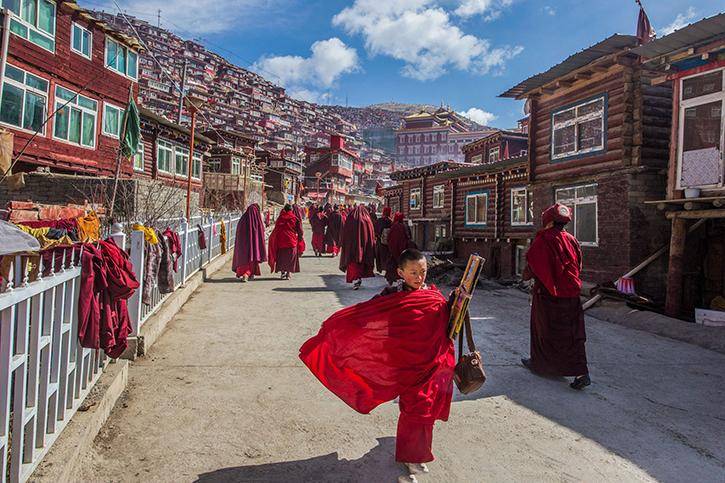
[
  {"x": 417, "y": 468},
  {"x": 407, "y": 479}
]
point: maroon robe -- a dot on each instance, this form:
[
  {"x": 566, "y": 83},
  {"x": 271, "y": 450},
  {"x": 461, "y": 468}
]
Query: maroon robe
[
  {"x": 558, "y": 335},
  {"x": 357, "y": 257},
  {"x": 333, "y": 233},
  {"x": 398, "y": 241},
  {"x": 249, "y": 250},
  {"x": 284, "y": 243}
]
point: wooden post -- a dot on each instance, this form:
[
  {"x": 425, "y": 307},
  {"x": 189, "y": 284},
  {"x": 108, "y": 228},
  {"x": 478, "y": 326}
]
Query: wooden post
[
  {"x": 674, "y": 140},
  {"x": 674, "y": 274}
]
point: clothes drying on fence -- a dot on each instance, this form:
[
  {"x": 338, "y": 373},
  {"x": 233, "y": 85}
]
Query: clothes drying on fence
[
  {"x": 223, "y": 236},
  {"x": 70, "y": 225},
  {"x": 174, "y": 246},
  {"x": 152, "y": 261},
  {"x": 89, "y": 227},
  {"x": 44, "y": 237},
  {"x": 149, "y": 233},
  {"x": 166, "y": 264},
  {"x": 201, "y": 237},
  {"x": 15, "y": 240},
  {"x": 107, "y": 282}
]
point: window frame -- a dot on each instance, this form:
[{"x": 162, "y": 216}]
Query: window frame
[
  {"x": 476, "y": 194},
  {"x": 165, "y": 145},
  {"x": 17, "y": 19},
  {"x": 579, "y": 153},
  {"x": 494, "y": 150},
  {"x": 126, "y": 57},
  {"x": 527, "y": 195},
  {"x": 140, "y": 155},
  {"x": 417, "y": 192},
  {"x": 235, "y": 161},
  {"x": 121, "y": 113},
  {"x": 185, "y": 156},
  {"x": 74, "y": 105},
  {"x": 75, "y": 25},
  {"x": 197, "y": 160},
  {"x": 440, "y": 190},
  {"x": 684, "y": 104},
  {"x": 24, "y": 86},
  {"x": 576, "y": 201}
]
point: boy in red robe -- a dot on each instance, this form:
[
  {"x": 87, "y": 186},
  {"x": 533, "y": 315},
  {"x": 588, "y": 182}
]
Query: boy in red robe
[
  {"x": 558, "y": 336},
  {"x": 395, "y": 345}
]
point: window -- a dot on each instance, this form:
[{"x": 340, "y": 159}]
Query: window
[
  {"x": 33, "y": 20},
  {"x": 700, "y": 146},
  {"x": 439, "y": 193},
  {"x": 415, "y": 199},
  {"x": 164, "y": 153},
  {"x": 24, "y": 100},
  {"x": 112, "y": 119},
  {"x": 477, "y": 209},
  {"x": 81, "y": 41},
  {"x": 521, "y": 259},
  {"x": 477, "y": 159},
  {"x": 578, "y": 130},
  {"x": 181, "y": 156},
  {"x": 582, "y": 200},
  {"x": 75, "y": 119},
  {"x": 236, "y": 166},
  {"x": 494, "y": 154},
  {"x": 138, "y": 158},
  {"x": 196, "y": 166},
  {"x": 441, "y": 231},
  {"x": 522, "y": 207},
  {"x": 121, "y": 59}
]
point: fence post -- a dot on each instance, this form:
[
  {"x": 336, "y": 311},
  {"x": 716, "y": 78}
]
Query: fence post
[
  {"x": 118, "y": 236},
  {"x": 229, "y": 231},
  {"x": 138, "y": 261},
  {"x": 210, "y": 238},
  {"x": 184, "y": 248}
]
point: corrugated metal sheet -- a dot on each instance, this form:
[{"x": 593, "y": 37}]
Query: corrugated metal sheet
[
  {"x": 613, "y": 44},
  {"x": 701, "y": 32}
]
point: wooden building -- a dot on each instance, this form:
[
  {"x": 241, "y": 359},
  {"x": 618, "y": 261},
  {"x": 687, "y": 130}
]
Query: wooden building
[
  {"x": 329, "y": 171},
  {"x": 496, "y": 146},
  {"x": 231, "y": 177},
  {"x": 692, "y": 62},
  {"x": 283, "y": 176},
  {"x": 59, "y": 57},
  {"x": 493, "y": 214},
  {"x": 393, "y": 198},
  {"x": 599, "y": 143}
]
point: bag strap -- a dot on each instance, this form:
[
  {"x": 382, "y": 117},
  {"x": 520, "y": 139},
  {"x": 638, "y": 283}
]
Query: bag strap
[{"x": 469, "y": 337}]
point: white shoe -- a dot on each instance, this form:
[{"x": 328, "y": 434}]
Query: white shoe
[
  {"x": 417, "y": 468},
  {"x": 407, "y": 479}
]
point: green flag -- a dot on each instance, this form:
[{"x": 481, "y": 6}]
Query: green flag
[{"x": 131, "y": 129}]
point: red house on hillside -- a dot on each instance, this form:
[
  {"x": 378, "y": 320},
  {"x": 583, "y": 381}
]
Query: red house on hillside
[{"x": 330, "y": 170}]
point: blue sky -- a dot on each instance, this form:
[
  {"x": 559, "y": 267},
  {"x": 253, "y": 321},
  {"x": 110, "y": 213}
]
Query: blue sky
[{"x": 461, "y": 52}]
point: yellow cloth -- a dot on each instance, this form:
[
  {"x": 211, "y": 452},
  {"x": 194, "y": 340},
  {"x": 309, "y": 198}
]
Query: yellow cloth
[
  {"x": 89, "y": 227},
  {"x": 223, "y": 236},
  {"x": 41, "y": 234},
  {"x": 149, "y": 234}
]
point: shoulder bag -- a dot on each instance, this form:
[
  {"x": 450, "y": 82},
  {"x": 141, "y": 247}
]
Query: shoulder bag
[{"x": 468, "y": 375}]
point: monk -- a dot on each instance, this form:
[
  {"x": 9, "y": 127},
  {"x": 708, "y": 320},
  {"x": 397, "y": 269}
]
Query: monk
[
  {"x": 395, "y": 345},
  {"x": 300, "y": 214},
  {"x": 382, "y": 230},
  {"x": 333, "y": 233},
  {"x": 399, "y": 240},
  {"x": 249, "y": 250},
  {"x": 284, "y": 243},
  {"x": 318, "y": 220},
  {"x": 558, "y": 336},
  {"x": 357, "y": 258}
]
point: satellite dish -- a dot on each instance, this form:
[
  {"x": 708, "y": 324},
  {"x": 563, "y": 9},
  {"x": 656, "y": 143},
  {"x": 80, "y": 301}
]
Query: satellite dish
[{"x": 527, "y": 107}]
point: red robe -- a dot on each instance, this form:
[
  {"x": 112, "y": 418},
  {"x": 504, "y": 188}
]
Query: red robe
[
  {"x": 284, "y": 242},
  {"x": 391, "y": 346},
  {"x": 357, "y": 257},
  {"x": 558, "y": 334}
]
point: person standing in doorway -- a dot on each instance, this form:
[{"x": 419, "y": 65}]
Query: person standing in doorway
[
  {"x": 558, "y": 336},
  {"x": 249, "y": 250}
]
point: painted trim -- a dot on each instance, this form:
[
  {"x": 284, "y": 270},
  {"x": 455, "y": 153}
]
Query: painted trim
[{"x": 605, "y": 129}]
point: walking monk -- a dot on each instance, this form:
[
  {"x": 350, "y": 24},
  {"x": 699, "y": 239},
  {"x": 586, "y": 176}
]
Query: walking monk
[
  {"x": 557, "y": 319},
  {"x": 249, "y": 249},
  {"x": 333, "y": 234},
  {"x": 284, "y": 244},
  {"x": 399, "y": 240},
  {"x": 318, "y": 220},
  {"x": 382, "y": 230},
  {"x": 357, "y": 258},
  {"x": 395, "y": 345}
]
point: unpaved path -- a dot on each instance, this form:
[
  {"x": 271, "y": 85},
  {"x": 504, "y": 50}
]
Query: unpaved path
[{"x": 223, "y": 397}]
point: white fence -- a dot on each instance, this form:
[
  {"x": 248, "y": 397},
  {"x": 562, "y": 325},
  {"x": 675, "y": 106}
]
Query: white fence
[{"x": 44, "y": 372}]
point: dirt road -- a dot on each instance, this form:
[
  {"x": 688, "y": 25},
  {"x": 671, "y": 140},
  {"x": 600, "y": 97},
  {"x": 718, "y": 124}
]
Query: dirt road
[{"x": 223, "y": 397}]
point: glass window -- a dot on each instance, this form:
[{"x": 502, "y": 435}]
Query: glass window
[
  {"x": 121, "y": 59},
  {"x": 182, "y": 161},
  {"x": 24, "y": 100},
  {"x": 164, "y": 153},
  {"x": 415, "y": 198},
  {"x": 702, "y": 85},
  {"x": 112, "y": 118},
  {"x": 494, "y": 154},
  {"x": 33, "y": 20},
  {"x": 521, "y": 207},
  {"x": 138, "y": 158},
  {"x": 81, "y": 41},
  {"x": 75, "y": 119},
  {"x": 578, "y": 129},
  {"x": 477, "y": 209},
  {"x": 236, "y": 166},
  {"x": 439, "y": 196},
  {"x": 196, "y": 166},
  {"x": 582, "y": 200}
]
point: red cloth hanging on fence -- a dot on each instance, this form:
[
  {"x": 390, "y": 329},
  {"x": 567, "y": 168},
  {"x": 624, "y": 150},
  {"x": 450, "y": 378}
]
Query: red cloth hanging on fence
[{"x": 174, "y": 246}]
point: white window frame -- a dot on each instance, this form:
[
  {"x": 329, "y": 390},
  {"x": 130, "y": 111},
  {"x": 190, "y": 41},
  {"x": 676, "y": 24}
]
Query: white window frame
[
  {"x": 139, "y": 163},
  {"x": 439, "y": 196},
  {"x": 477, "y": 159},
  {"x": 74, "y": 105},
  {"x": 527, "y": 195},
  {"x": 236, "y": 165},
  {"x": 162, "y": 144},
  {"x": 576, "y": 121},
  {"x": 483, "y": 194},
  {"x": 128, "y": 50},
  {"x": 74, "y": 26},
  {"x": 184, "y": 154},
  {"x": 572, "y": 203},
  {"x": 17, "y": 19},
  {"x": 694, "y": 102},
  {"x": 494, "y": 154},
  {"x": 415, "y": 194},
  {"x": 197, "y": 165},
  {"x": 120, "y": 120},
  {"x": 25, "y": 87}
]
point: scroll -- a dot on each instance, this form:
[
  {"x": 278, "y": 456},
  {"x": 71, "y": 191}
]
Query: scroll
[{"x": 463, "y": 293}]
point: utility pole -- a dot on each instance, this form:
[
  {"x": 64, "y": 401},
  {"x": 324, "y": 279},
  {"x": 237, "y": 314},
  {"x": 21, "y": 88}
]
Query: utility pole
[
  {"x": 158, "y": 18},
  {"x": 183, "y": 91}
]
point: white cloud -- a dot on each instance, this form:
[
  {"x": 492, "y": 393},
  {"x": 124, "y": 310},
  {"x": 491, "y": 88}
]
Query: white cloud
[
  {"x": 682, "y": 20},
  {"x": 421, "y": 34},
  {"x": 490, "y": 9},
  {"x": 549, "y": 10},
  {"x": 197, "y": 17},
  {"x": 304, "y": 76},
  {"x": 479, "y": 116}
]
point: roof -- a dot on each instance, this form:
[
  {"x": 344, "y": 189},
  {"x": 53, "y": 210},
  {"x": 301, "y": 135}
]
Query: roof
[
  {"x": 428, "y": 170},
  {"x": 611, "y": 45},
  {"x": 520, "y": 161},
  {"x": 147, "y": 113},
  {"x": 492, "y": 134},
  {"x": 87, "y": 15},
  {"x": 704, "y": 31}
]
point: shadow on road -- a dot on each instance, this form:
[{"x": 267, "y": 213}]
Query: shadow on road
[
  {"x": 302, "y": 289},
  {"x": 376, "y": 465}
]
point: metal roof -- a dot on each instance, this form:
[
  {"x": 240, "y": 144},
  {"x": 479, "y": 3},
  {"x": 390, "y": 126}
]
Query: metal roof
[
  {"x": 700, "y": 32},
  {"x": 611, "y": 45}
]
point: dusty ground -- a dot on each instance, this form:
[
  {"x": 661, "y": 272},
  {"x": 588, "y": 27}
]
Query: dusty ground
[{"x": 223, "y": 397}]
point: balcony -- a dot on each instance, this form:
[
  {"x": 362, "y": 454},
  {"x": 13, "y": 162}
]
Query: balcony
[{"x": 224, "y": 182}]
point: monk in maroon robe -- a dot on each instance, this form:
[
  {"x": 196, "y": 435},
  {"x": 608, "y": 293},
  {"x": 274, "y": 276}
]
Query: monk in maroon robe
[
  {"x": 357, "y": 258},
  {"x": 382, "y": 230},
  {"x": 300, "y": 214},
  {"x": 318, "y": 220},
  {"x": 284, "y": 243},
  {"x": 333, "y": 233},
  {"x": 249, "y": 250},
  {"x": 558, "y": 336},
  {"x": 399, "y": 240}
]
